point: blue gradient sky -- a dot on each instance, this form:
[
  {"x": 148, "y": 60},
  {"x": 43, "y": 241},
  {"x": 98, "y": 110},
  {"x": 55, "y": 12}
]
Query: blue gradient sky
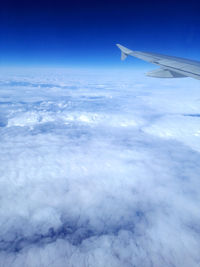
[{"x": 84, "y": 33}]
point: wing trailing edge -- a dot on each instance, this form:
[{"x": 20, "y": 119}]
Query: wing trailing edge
[{"x": 164, "y": 73}]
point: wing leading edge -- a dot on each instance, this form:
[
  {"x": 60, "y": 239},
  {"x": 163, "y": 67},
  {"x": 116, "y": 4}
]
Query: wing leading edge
[{"x": 171, "y": 67}]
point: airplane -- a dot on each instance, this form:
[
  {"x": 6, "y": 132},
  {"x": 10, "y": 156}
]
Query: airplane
[{"x": 171, "y": 67}]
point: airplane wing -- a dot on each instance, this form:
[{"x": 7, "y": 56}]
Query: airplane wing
[{"x": 171, "y": 67}]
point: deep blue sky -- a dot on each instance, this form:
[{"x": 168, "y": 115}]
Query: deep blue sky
[{"x": 84, "y": 33}]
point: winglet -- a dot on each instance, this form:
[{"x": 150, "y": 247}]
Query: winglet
[{"x": 124, "y": 51}]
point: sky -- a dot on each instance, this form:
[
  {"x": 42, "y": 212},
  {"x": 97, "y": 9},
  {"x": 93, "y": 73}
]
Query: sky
[{"x": 84, "y": 33}]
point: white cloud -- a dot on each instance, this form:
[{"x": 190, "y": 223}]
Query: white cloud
[{"x": 98, "y": 170}]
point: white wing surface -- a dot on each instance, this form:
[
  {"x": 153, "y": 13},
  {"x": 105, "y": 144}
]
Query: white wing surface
[{"x": 171, "y": 67}]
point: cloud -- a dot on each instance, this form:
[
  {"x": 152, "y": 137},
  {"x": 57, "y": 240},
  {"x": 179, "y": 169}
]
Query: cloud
[{"x": 87, "y": 178}]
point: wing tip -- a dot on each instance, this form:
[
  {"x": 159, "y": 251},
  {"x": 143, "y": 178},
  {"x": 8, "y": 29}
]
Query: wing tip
[{"x": 124, "y": 51}]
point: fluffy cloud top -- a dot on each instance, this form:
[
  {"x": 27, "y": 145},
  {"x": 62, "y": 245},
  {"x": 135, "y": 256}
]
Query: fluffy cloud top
[{"x": 98, "y": 170}]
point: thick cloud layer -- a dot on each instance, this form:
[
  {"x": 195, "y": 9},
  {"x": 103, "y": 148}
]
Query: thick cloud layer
[{"x": 98, "y": 170}]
